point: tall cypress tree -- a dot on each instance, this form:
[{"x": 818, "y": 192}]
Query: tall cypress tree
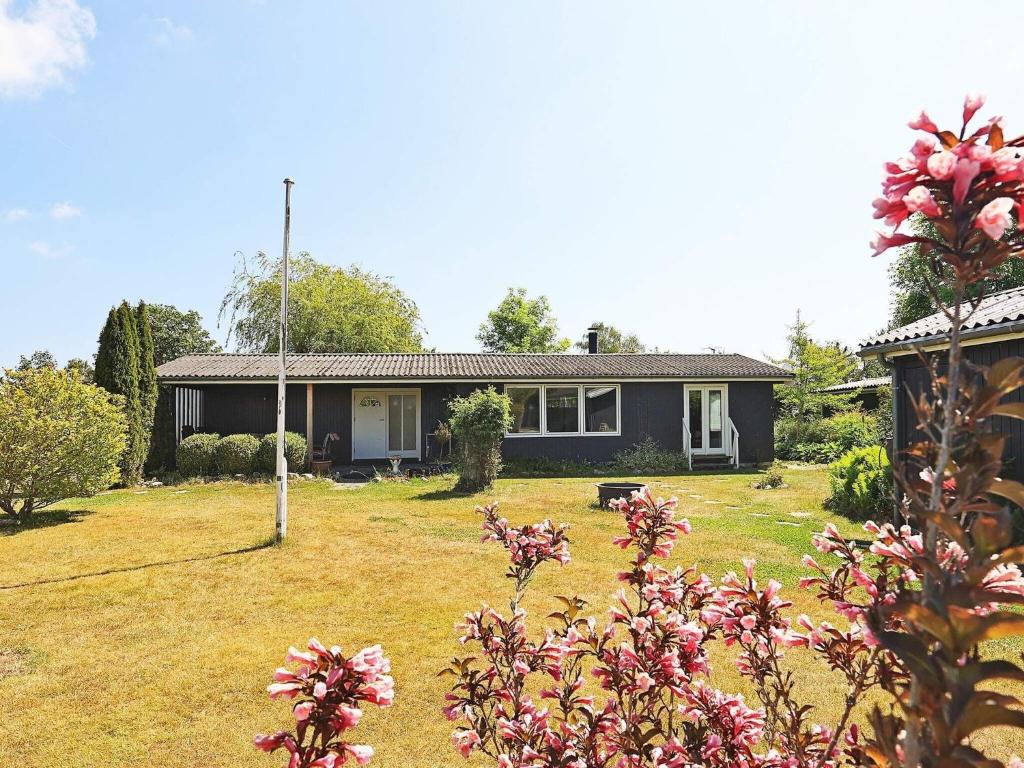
[
  {"x": 129, "y": 372},
  {"x": 117, "y": 371},
  {"x": 103, "y": 373},
  {"x": 147, "y": 370}
]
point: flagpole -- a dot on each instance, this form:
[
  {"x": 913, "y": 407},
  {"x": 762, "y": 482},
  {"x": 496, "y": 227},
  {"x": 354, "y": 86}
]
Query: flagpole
[{"x": 281, "y": 518}]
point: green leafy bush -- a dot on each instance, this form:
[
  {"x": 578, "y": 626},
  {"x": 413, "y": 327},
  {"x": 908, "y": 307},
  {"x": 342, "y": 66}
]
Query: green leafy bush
[
  {"x": 479, "y": 422},
  {"x": 295, "y": 452},
  {"x": 771, "y": 479},
  {"x": 861, "y": 484},
  {"x": 194, "y": 456},
  {"x": 59, "y": 438},
  {"x": 648, "y": 456},
  {"x": 545, "y": 466},
  {"x": 825, "y": 440},
  {"x": 236, "y": 454}
]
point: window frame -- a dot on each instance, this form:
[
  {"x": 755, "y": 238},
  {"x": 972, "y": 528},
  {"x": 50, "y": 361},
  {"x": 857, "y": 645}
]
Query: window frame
[
  {"x": 581, "y": 390},
  {"x": 540, "y": 409},
  {"x": 618, "y": 410}
]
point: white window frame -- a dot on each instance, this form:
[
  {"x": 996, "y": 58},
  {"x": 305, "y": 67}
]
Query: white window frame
[
  {"x": 540, "y": 415},
  {"x": 581, "y": 393}
]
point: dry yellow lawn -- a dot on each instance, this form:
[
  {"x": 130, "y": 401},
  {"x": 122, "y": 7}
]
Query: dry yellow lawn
[{"x": 143, "y": 628}]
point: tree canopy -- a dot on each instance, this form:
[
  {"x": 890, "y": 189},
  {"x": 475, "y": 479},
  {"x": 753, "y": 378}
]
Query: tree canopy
[
  {"x": 521, "y": 324},
  {"x": 814, "y": 366},
  {"x": 177, "y": 333},
  {"x": 41, "y": 358},
  {"x": 330, "y": 309},
  {"x": 611, "y": 339},
  {"x": 911, "y": 273}
]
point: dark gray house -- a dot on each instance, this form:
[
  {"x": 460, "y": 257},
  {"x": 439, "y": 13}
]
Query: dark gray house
[
  {"x": 995, "y": 331},
  {"x": 569, "y": 406}
]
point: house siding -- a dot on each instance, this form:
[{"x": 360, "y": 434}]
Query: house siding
[
  {"x": 652, "y": 409},
  {"x": 752, "y": 410},
  {"x": 911, "y": 378}
]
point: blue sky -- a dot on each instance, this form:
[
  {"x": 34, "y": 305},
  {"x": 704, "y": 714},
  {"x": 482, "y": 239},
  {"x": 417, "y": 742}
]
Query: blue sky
[{"x": 692, "y": 172}]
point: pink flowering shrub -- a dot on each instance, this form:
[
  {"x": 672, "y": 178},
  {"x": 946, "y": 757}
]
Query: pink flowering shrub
[
  {"x": 327, "y": 689},
  {"x": 637, "y": 689}
]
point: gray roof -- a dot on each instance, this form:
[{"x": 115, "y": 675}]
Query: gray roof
[
  {"x": 478, "y": 367},
  {"x": 863, "y": 384},
  {"x": 997, "y": 313}
]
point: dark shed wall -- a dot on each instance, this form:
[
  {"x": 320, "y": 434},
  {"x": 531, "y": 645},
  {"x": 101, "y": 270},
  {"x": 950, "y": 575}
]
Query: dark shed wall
[
  {"x": 911, "y": 379},
  {"x": 236, "y": 408},
  {"x": 751, "y": 408}
]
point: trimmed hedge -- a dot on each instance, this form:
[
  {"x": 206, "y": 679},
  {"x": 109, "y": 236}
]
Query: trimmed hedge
[
  {"x": 861, "y": 483},
  {"x": 194, "y": 455},
  {"x": 295, "y": 452},
  {"x": 236, "y": 454}
]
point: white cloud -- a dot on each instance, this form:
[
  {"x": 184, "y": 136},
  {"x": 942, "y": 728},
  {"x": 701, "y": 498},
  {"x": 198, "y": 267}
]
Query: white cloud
[
  {"x": 166, "y": 32},
  {"x": 48, "y": 252},
  {"x": 16, "y": 214},
  {"x": 64, "y": 211},
  {"x": 39, "y": 46}
]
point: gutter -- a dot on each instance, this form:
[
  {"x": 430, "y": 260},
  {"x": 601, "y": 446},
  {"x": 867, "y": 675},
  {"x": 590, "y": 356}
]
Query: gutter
[{"x": 911, "y": 345}]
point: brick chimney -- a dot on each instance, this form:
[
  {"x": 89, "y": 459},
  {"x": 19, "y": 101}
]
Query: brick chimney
[{"x": 592, "y": 341}]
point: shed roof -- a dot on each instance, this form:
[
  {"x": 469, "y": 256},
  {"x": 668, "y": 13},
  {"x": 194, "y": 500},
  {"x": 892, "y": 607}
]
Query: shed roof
[
  {"x": 996, "y": 313},
  {"x": 864, "y": 385},
  {"x": 466, "y": 366}
]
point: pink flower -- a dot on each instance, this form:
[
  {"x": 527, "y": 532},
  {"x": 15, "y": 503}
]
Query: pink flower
[
  {"x": 920, "y": 199},
  {"x": 269, "y": 743},
  {"x": 972, "y": 103},
  {"x": 964, "y": 173},
  {"x": 302, "y": 710},
  {"x": 994, "y": 218},
  {"x": 941, "y": 165},
  {"x": 1006, "y": 161},
  {"x": 284, "y": 690},
  {"x": 361, "y": 752},
  {"x": 320, "y": 691},
  {"x": 465, "y": 741},
  {"x": 923, "y": 123},
  {"x": 348, "y": 717}
]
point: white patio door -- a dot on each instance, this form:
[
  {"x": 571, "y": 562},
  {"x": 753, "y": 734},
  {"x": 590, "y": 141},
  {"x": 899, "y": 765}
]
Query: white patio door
[
  {"x": 385, "y": 423},
  {"x": 706, "y": 412}
]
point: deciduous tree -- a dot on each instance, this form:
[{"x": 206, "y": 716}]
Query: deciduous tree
[
  {"x": 611, "y": 339},
  {"x": 330, "y": 309},
  {"x": 59, "y": 438},
  {"x": 177, "y": 333},
  {"x": 521, "y": 324}
]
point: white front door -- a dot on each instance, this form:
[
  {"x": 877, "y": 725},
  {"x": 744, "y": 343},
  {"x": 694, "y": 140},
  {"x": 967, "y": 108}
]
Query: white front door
[
  {"x": 706, "y": 412},
  {"x": 369, "y": 424},
  {"x": 385, "y": 422}
]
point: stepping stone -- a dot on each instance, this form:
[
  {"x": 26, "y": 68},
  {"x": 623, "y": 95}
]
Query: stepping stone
[
  {"x": 696, "y": 496},
  {"x": 139, "y": 493},
  {"x": 181, "y": 491},
  {"x": 731, "y": 507},
  {"x": 787, "y": 522},
  {"x": 706, "y": 501},
  {"x": 758, "y": 514},
  {"x": 800, "y": 514}
]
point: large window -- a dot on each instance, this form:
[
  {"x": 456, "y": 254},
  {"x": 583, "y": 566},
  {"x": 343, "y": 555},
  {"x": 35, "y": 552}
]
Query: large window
[
  {"x": 600, "y": 409},
  {"x": 564, "y": 409},
  {"x": 525, "y": 410}
]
